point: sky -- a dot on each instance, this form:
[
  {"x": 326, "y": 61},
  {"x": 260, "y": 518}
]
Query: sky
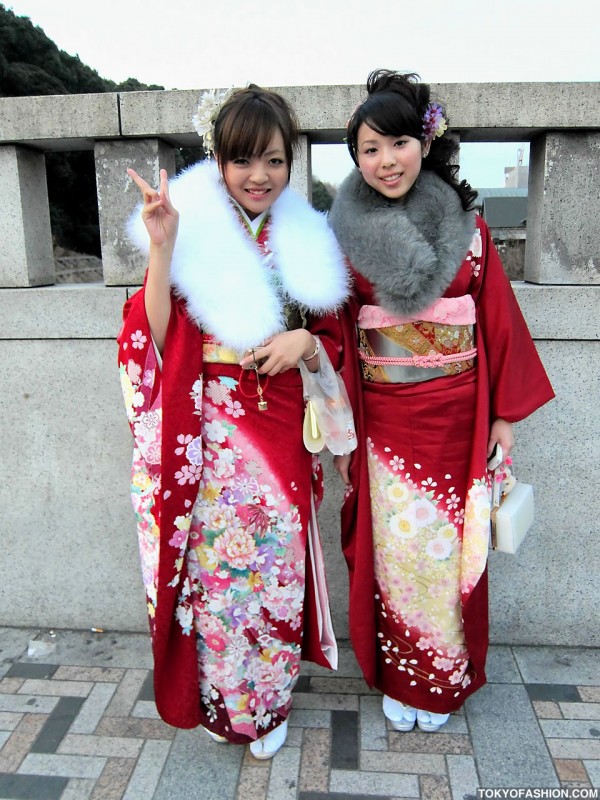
[{"x": 194, "y": 44}]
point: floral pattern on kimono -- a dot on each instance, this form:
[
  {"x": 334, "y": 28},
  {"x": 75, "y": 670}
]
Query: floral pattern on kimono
[
  {"x": 246, "y": 572},
  {"x": 418, "y": 549}
]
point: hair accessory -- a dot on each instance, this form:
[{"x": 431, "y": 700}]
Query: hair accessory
[
  {"x": 434, "y": 122},
  {"x": 204, "y": 119}
]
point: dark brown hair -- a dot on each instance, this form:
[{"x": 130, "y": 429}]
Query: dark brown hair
[
  {"x": 395, "y": 106},
  {"x": 248, "y": 121}
]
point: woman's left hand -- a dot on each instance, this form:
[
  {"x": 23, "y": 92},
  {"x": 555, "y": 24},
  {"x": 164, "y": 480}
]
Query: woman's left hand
[
  {"x": 282, "y": 352},
  {"x": 501, "y": 433}
]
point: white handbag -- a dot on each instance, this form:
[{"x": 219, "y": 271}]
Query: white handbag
[{"x": 512, "y": 510}]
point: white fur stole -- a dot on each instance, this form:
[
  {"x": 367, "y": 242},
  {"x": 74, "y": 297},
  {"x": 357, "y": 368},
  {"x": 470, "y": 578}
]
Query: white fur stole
[{"x": 219, "y": 271}]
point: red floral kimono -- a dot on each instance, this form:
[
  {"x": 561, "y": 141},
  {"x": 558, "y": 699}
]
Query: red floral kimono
[
  {"x": 415, "y": 521},
  {"x": 224, "y": 493}
]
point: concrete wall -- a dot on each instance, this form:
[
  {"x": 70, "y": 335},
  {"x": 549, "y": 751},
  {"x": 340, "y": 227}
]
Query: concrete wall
[{"x": 67, "y": 531}]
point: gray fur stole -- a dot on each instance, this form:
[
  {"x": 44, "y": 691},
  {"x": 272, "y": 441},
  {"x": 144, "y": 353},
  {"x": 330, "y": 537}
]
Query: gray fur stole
[{"x": 409, "y": 249}]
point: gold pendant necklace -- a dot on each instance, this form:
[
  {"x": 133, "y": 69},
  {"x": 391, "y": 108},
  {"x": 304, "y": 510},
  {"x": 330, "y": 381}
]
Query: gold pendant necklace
[{"x": 260, "y": 392}]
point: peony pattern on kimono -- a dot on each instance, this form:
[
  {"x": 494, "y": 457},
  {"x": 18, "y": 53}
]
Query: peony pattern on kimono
[{"x": 245, "y": 562}]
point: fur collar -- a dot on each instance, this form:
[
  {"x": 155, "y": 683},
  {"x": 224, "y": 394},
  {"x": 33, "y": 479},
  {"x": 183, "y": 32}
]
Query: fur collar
[
  {"x": 219, "y": 271},
  {"x": 410, "y": 251}
]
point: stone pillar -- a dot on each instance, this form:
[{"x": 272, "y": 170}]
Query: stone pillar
[
  {"x": 117, "y": 198},
  {"x": 563, "y": 236},
  {"x": 26, "y": 254},
  {"x": 301, "y": 178}
]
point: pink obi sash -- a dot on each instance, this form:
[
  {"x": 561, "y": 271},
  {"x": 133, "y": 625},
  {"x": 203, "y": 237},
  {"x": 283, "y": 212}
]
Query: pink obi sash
[{"x": 446, "y": 310}]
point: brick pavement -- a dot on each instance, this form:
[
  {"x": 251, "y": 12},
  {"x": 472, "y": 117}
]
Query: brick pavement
[{"x": 80, "y": 722}]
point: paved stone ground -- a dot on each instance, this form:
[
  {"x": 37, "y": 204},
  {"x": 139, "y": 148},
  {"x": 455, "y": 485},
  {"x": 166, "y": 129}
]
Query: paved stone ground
[{"x": 80, "y": 722}]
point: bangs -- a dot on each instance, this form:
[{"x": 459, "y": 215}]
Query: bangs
[
  {"x": 247, "y": 134},
  {"x": 388, "y": 114}
]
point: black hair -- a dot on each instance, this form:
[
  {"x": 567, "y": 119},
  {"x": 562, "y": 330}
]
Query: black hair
[
  {"x": 248, "y": 121},
  {"x": 395, "y": 106}
]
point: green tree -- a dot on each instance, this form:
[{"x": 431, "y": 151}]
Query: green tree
[
  {"x": 32, "y": 64},
  {"x": 322, "y": 198}
]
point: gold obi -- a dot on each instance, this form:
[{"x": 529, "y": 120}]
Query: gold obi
[
  {"x": 215, "y": 353},
  {"x": 415, "y": 351}
]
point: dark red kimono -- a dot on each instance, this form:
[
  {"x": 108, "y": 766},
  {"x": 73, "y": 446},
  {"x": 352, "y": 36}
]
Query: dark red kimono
[{"x": 415, "y": 521}]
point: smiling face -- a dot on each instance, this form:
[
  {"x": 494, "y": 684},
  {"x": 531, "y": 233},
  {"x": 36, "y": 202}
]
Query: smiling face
[
  {"x": 390, "y": 164},
  {"x": 256, "y": 182}
]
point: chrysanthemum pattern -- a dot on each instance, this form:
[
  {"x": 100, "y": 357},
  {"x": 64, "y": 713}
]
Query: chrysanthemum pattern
[{"x": 424, "y": 561}]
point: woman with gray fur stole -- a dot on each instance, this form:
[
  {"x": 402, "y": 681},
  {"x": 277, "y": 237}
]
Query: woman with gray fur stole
[
  {"x": 439, "y": 365},
  {"x": 243, "y": 283}
]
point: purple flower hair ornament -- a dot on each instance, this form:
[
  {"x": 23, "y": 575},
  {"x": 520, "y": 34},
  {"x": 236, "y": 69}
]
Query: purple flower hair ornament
[{"x": 434, "y": 122}]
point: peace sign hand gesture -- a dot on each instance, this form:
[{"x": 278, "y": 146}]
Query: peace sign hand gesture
[
  {"x": 161, "y": 221},
  {"x": 159, "y": 216}
]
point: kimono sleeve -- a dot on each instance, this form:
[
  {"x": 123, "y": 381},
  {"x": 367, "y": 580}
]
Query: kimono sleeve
[
  {"x": 518, "y": 383},
  {"x": 138, "y": 366},
  {"x": 329, "y": 331}
]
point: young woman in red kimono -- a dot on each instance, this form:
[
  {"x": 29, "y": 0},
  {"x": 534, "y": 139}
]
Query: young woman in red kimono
[
  {"x": 443, "y": 365},
  {"x": 243, "y": 282}
]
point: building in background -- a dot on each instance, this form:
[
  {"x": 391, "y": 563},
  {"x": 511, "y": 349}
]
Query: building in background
[{"x": 505, "y": 211}]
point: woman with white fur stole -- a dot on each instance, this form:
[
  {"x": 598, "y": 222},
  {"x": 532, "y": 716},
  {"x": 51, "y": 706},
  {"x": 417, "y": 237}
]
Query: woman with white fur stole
[{"x": 244, "y": 280}]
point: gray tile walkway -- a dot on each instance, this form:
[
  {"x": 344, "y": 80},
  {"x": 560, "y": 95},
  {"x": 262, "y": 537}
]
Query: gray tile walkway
[{"x": 80, "y": 723}]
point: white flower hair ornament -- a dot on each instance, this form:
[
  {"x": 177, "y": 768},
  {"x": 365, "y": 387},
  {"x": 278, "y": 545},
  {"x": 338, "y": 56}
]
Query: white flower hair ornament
[{"x": 204, "y": 119}]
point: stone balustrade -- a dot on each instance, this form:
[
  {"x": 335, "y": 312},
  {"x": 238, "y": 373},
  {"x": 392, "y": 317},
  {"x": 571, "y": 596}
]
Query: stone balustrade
[{"x": 67, "y": 529}]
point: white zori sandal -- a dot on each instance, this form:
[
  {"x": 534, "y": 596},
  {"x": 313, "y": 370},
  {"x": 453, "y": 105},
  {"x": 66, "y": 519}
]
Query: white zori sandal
[
  {"x": 401, "y": 716},
  {"x": 215, "y": 736},
  {"x": 430, "y": 722},
  {"x": 268, "y": 745}
]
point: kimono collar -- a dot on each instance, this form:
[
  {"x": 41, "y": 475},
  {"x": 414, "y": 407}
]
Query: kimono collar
[
  {"x": 220, "y": 273},
  {"x": 410, "y": 250},
  {"x": 254, "y": 225}
]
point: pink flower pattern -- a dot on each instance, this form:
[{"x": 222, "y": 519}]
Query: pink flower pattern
[
  {"x": 138, "y": 340},
  {"x": 244, "y": 546},
  {"x": 247, "y": 571}
]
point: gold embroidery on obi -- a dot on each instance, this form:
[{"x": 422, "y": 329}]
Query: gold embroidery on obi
[{"x": 420, "y": 339}]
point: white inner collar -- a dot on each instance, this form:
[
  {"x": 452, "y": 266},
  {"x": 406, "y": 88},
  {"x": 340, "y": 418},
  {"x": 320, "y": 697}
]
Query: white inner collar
[{"x": 253, "y": 224}]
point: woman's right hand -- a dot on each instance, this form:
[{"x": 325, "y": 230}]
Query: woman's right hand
[
  {"x": 160, "y": 218},
  {"x": 161, "y": 221}
]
